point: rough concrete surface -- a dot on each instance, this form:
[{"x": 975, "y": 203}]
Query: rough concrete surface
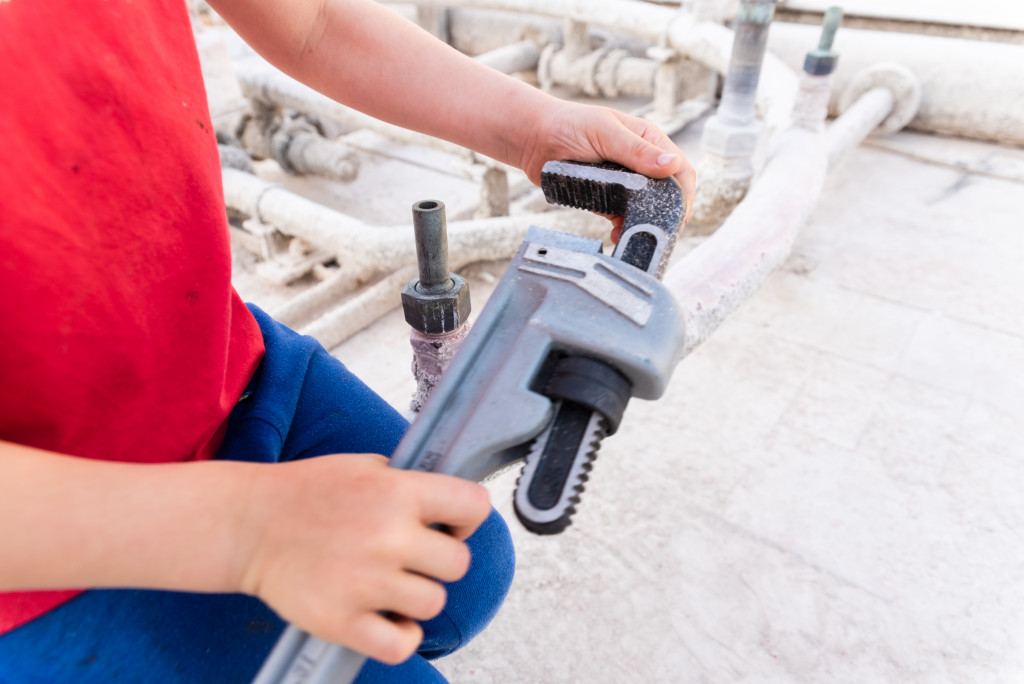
[{"x": 831, "y": 489}]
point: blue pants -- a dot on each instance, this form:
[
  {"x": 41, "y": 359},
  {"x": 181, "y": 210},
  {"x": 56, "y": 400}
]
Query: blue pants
[{"x": 301, "y": 403}]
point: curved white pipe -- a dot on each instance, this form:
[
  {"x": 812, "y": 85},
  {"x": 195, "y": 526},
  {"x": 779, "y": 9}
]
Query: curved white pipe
[
  {"x": 858, "y": 121},
  {"x": 970, "y": 88},
  {"x": 712, "y": 281},
  {"x": 716, "y": 278}
]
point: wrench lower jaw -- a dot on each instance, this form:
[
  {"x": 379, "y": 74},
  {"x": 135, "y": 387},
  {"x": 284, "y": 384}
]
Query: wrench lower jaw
[{"x": 557, "y": 468}]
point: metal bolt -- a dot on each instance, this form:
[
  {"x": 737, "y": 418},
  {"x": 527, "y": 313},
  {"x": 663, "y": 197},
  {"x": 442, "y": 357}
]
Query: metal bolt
[
  {"x": 833, "y": 15},
  {"x": 822, "y": 60},
  {"x": 428, "y": 222}
]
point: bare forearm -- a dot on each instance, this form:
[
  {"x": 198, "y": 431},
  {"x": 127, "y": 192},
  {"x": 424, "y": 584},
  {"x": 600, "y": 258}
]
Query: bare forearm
[
  {"x": 68, "y": 523},
  {"x": 366, "y": 56}
]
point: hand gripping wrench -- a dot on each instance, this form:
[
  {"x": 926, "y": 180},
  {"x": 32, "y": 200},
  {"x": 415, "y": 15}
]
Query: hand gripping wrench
[{"x": 568, "y": 336}]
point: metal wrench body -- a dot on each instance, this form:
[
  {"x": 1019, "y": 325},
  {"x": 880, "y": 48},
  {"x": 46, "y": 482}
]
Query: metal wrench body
[{"x": 559, "y": 297}]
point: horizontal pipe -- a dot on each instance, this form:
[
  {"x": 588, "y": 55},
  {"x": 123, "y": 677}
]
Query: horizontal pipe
[
  {"x": 366, "y": 251},
  {"x": 705, "y": 42},
  {"x": 858, "y": 121},
  {"x": 338, "y": 324},
  {"x": 262, "y": 82},
  {"x": 310, "y": 303},
  {"x": 510, "y": 59},
  {"x": 970, "y": 88}
]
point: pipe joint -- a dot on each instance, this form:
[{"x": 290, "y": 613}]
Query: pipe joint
[
  {"x": 730, "y": 140},
  {"x": 436, "y": 302},
  {"x": 822, "y": 61},
  {"x": 900, "y": 81}
]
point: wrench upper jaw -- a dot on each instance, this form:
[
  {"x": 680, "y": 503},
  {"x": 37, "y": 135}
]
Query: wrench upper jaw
[{"x": 656, "y": 204}]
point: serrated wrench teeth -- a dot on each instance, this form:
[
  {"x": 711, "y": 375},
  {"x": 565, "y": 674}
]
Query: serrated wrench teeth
[{"x": 556, "y": 469}]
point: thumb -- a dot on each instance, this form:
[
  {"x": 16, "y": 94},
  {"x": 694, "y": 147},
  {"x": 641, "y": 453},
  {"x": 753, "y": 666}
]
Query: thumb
[{"x": 635, "y": 150}]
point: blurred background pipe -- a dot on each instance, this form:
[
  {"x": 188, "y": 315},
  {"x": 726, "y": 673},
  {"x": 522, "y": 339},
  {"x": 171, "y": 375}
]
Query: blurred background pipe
[
  {"x": 365, "y": 252},
  {"x": 730, "y": 137}
]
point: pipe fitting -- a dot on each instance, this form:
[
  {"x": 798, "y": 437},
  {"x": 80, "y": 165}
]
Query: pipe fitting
[
  {"x": 731, "y": 136},
  {"x": 297, "y": 146},
  {"x": 234, "y": 157},
  {"x": 730, "y": 140},
  {"x": 898, "y": 80},
  {"x": 605, "y": 72},
  {"x": 436, "y": 314},
  {"x": 751, "y": 37},
  {"x": 822, "y": 61},
  {"x": 437, "y": 302}
]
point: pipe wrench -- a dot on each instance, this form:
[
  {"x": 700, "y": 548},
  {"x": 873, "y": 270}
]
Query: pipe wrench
[{"x": 567, "y": 337}]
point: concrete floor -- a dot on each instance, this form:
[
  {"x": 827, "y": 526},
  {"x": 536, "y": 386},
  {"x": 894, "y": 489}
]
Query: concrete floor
[{"x": 831, "y": 489}]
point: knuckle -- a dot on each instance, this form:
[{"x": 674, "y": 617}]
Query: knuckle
[{"x": 639, "y": 146}]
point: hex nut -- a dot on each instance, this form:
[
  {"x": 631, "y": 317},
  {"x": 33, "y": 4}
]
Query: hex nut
[
  {"x": 728, "y": 139},
  {"x": 818, "y": 63},
  {"x": 436, "y": 314}
]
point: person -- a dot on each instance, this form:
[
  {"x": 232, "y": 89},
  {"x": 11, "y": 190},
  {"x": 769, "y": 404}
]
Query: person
[{"x": 157, "y": 434}]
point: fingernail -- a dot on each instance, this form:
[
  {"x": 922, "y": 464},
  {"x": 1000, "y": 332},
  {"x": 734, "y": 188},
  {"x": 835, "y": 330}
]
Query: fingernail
[{"x": 666, "y": 159}]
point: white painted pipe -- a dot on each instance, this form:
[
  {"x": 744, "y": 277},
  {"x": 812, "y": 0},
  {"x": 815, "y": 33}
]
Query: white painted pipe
[
  {"x": 970, "y": 88},
  {"x": 513, "y": 58},
  {"x": 713, "y": 280},
  {"x": 730, "y": 266},
  {"x": 858, "y": 121},
  {"x": 716, "y": 278},
  {"x": 310, "y": 303},
  {"x": 338, "y": 324},
  {"x": 365, "y": 251},
  {"x": 262, "y": 82},
  {"x": 704, "y": 42}
]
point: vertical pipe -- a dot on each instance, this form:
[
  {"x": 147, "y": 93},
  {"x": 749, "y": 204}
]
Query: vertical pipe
[
  {"x": 751, "y": 31},
  {"x": 431, "y": 246}
]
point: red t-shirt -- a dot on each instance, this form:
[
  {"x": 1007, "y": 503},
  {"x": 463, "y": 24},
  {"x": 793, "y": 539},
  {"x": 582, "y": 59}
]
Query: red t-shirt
[{"x": 121, "y": 337}]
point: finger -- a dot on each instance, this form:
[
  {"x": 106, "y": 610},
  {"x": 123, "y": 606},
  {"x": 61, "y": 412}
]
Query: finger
[
  {"x": 436, "y": 554},
  {"x": 617, "y": 221},
  {"x": 390, "y": 640},
  {"x": 687, "y": 177},
  {"x": 642, "y": 146},
  {"x": 414, "y": 596},
  {"x": 459, "y": 505},
  {"x": 681, "y": 169}
]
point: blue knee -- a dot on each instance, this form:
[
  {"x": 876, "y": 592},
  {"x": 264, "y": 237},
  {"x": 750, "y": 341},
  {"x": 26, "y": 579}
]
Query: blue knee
[{"x": 474, "y": 600}]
